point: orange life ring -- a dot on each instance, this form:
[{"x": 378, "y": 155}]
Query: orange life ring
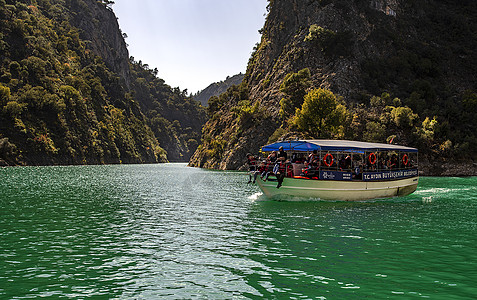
[
  {"x": 372, "y": 158},
  {"x": 405, "y": 159},
  {"x": 325, "y": 160}
]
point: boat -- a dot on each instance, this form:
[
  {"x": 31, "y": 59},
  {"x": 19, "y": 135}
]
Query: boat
[{"x": 341, "y": 170}]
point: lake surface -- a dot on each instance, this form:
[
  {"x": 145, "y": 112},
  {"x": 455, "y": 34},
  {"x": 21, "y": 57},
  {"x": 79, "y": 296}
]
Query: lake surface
[{"x": 172, "y": 232}]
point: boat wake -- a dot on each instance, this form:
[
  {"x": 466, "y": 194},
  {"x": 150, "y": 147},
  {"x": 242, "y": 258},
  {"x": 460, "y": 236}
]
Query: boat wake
[
  {"x": 443, "y": 190},
  {"x": 427, "y": 199},
  {"x": 256, "y": 196}
]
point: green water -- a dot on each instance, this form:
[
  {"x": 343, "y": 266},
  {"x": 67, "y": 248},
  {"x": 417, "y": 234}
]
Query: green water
[{"x": 172, "y": 232}]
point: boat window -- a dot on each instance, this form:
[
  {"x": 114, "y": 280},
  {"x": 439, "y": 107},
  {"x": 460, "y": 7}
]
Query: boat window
[
  {"x": 413, "y": 160},
  {"x": 381, "y": 163},
  {"x": 345, "y": 161}
]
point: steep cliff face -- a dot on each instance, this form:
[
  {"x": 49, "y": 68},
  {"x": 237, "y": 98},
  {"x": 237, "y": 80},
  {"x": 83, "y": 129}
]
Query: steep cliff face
[
  {"x": 69, "y": 93},
  {"x": 100, "y": 27},
  {"x": 366, "y": 32},
  {"x": 423, "y": 52}
]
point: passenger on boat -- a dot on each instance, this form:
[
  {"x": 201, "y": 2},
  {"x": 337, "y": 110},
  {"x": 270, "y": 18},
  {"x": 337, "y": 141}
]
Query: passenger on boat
[
  {"x": 282, "y": 155},
  {"x": 381, "y": 163},
  {"x": 279, "y": 170},
  {"x": 251, "y": 160},
  {"x": 348, "y": 162},
  {"x": 271, "y": 160},
  {"x": 297, "y": 162},
  {"x": 310, "y": 171},
  {"x": 395, "y": 161},
  {"x": 314, "y": 158},
  {"x": 358, "y": 172},
  {"x": 410, "y": 164},
  {"x": 345, "y": 163},
  {"x": 297, "y": 158},
  {"x": 388, "y": 163},
  {"x": 280, "y": 166},
  {"x": 272, "y": 157},
  {"x": 312, "y": 165},
  {"x": 253, "y": 168},
  {"x": 392, "y": 163},
  {"x": 357, "y": 166}
]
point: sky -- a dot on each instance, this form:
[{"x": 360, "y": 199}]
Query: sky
[{"x": 192, "y": 43}]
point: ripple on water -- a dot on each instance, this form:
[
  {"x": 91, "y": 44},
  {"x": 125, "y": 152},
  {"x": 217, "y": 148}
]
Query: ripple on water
[{"x": 168, "y": 231}]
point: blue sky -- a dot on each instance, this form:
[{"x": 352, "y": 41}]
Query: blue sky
[{"x": 192, "y": 43}]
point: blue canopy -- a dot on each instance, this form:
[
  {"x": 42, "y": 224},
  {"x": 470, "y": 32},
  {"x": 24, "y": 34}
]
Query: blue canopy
[
  {"x": 334, "y": 145},
  {"x": 291, "y": 146}
]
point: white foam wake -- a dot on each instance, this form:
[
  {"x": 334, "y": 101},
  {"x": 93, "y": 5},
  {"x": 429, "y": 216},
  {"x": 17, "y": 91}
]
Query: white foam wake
[{"x": 255, "y": 196}]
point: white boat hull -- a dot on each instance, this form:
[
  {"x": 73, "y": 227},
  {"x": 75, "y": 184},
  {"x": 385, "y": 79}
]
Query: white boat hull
[{"x": 338, "y": 190}]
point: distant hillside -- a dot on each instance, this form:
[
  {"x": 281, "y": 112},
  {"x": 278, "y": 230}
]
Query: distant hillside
[
  {"x": 217, "y": 88},
  {"x": 70, "y": 93},
  {"x": 400, "y": 70}
]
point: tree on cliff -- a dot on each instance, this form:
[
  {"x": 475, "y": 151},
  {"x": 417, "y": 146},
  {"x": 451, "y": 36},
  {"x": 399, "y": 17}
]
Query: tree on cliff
[{"x": 321, "y": 115}]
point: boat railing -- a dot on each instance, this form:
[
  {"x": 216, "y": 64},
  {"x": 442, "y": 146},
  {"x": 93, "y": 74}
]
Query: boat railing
[{"x": 354, "y": 168}]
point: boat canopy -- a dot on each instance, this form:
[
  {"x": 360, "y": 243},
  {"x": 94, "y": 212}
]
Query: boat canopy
[{"x": 334, "y": 145}]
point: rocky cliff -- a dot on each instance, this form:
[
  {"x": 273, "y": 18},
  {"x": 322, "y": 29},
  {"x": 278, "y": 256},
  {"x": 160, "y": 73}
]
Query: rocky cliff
[
  {"x": 421, "y": 52},
  {"x": 99, "y": 26},
  {"x": 217, "y": 88},
  {"x": 70, "y": 93}
]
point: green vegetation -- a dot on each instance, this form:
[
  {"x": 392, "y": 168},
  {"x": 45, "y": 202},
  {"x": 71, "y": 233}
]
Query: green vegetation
[
  {"x": 294, "y": 86},
  {"x": 61, "y": 104},
  {"x": 322, "y": 115},
  {"x": 407, "y": 71},
  {"x": 232, "y": 115},
  {"x": 330, "y": 42},
  {"x": 276, "y": 135},
  {"x": 234, "y": 94},
  {"x": 319, "y": 33},
  {"x": 316, "y": 112},
  {"x": 428, "y": 69},
  {"x": 427, "y": 97},
  {"x": 174, "y": 117},
  {"x": 383, "y": 118}
]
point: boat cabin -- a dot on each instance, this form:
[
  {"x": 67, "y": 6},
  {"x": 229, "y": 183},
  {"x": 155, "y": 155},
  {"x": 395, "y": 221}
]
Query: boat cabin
[{"x": 344, "y": 160}]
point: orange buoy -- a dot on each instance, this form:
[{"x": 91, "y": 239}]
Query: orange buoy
[
  {"x": 325, "y": 160},
  {"x": 372, "y": 158}
]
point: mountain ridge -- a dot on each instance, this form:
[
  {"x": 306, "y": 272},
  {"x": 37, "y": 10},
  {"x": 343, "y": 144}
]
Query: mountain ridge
[
  {"x": 70, "y": 93},
  {"x": 217, "y": 88}
]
